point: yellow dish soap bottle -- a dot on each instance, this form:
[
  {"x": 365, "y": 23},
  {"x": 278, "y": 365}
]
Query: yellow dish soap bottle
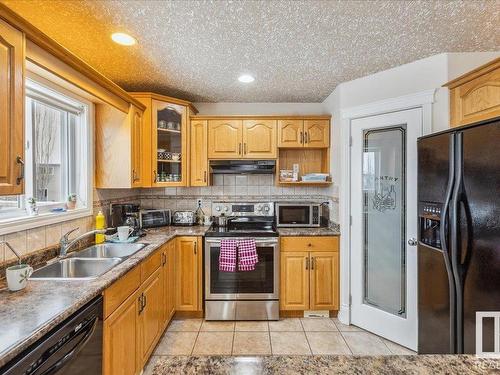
[{"x": 100, "y": 222}]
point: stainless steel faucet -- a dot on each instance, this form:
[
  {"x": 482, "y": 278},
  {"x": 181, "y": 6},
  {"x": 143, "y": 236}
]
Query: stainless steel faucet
[
  {"x": 66, "y": 244},
  {"x": 12, "y": 249}
]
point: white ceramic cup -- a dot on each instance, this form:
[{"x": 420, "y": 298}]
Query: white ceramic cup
[
  {"x": 17, "y": 276},
  {"x": 124, "y": 232}
]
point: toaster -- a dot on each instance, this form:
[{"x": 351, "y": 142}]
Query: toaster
[{"x": 184, "y": 218}]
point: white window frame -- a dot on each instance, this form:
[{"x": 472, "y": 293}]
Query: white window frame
[{"x": 25, "y": 222}]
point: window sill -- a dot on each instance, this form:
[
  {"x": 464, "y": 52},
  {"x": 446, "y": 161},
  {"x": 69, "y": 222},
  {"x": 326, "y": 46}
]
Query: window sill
[{"x": 47, "y": 218}]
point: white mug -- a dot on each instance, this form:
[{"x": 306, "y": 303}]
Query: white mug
[
  {"x": 124, "y": 232},
  {"x": 17, "y": 276}
]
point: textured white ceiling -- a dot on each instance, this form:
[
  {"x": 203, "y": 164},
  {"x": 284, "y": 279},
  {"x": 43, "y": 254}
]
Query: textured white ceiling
[{"x": 298, "y": 51}]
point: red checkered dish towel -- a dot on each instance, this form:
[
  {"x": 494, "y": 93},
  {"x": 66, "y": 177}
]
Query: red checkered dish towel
[
  {"x": 247, "y": 255},
  {"x": 227, "y": 256}
]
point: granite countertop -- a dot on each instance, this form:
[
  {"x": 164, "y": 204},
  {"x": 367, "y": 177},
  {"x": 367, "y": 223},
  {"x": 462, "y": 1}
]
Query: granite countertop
[
  {"x": 32, "y": 312},
  {"x": 326, "y": 364},
  {"x": 323, "y": 231}
]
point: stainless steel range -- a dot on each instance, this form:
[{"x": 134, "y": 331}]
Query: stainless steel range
[{"x": 243, "y": 295}]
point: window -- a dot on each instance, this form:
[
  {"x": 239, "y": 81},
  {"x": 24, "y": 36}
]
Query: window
[{"x": 57, "y": 155}]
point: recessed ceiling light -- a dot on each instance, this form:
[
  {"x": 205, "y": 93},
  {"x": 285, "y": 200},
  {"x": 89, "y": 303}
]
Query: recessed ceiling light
[
  {"x": 246, "y": 78},
  {"x": 123, "y": 39}
]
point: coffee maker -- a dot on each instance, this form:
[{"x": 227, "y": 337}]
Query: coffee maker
[{"x": 126, "y": 214}]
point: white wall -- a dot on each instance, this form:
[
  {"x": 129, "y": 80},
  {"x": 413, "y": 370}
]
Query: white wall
[
  {"x": 260, "y": 108},
  {"x": 429, "y": 73}
]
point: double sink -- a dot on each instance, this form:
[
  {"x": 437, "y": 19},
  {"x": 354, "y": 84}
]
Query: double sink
[{"x": 88, "y": 263}]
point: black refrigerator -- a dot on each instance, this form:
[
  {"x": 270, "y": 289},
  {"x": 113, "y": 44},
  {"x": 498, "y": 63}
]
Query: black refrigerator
[{"x": 459, "y": 237}]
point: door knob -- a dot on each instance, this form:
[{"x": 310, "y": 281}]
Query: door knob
[{"x": 412, "y": 242}]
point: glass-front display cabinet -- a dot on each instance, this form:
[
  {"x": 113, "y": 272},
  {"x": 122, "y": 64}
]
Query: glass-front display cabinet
[
  {"x": 169, "y": 140},
  {"x": 165, "y": 141}
]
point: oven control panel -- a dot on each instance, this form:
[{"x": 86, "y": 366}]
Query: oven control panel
[{"x": 243, "y": 208}]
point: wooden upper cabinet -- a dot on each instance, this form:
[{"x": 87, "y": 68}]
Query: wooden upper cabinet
[
  {"x": 290, "y": 133},
  {"x": 118, "y": 147},
  {"x": 225, "y": 139},
  {"x": 316, "y": 133},
  {"x": 169, "y": 138},
  {"x": 294, "y": 286},
  {"x": 137, "y": 147},
  {"x": 324, "y": 280},
  {"x": 199, "y": 153},
  {"x": 475, "y": 96},
  {"x": 12, "y": 54},
  {"x": 259, "y": 139}
]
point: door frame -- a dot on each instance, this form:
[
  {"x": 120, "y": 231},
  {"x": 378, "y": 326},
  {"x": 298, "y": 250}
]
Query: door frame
[{"x": 423, "y": 100}]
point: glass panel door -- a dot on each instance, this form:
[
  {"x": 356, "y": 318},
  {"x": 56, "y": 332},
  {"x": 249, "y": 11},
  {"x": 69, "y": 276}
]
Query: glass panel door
[
  {"x": 169, "y": 129},
  {"x": 384, "y": 217}
]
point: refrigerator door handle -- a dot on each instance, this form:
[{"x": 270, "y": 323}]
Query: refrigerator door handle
[
  {"x": 444, "y": 228},
  {"x": 455, "y": 232}
]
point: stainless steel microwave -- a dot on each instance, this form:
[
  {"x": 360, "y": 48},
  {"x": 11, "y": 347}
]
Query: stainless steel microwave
[{"x": 295, "y": 214}]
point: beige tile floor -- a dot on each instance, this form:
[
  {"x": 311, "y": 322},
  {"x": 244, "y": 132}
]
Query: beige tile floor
[{"x": 294, "y": 336}]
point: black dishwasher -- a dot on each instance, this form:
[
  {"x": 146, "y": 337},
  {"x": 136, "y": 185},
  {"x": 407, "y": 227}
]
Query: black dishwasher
[{"x": 74, "y": 347}]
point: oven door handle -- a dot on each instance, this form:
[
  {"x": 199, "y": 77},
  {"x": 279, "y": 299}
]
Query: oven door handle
[{"x": 257, "y": 243}]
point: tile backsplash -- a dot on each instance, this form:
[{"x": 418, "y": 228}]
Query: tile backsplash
[
  {"x": 235, "y": 187},
  {"x": 224, "y": 187}
]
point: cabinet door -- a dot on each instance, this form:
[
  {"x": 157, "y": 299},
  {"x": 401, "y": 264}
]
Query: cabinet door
[
  {"x": 11, "y": 110},
  {"x": 137, "y": 147},
  {"x": 151, "y": 317},
  {"x": 259, "y": 139},
  {"x": 294, "y": 287},
  {"x": 120, "y": 351},
  {"x": 169, "y": 144},
  {"x": 225, "y": 139},
  {"x": 171, "y": 279},
  {"x": 324, "y": 280},
  {"x": 316, "y": 133},
  {"x": 290, "y": 133},
  {"x": 476, "y": 100},
  {"x": 199, "y": 153},
  {"x": 187, "y": 279}
]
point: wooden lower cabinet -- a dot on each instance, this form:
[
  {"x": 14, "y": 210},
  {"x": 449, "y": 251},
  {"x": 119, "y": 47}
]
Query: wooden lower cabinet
[
  {"x": 188, "y": 259},
  {"x": 120, "y": 348},
  {"x": 132, "y": 330},
  {"x": 150, "y": 315},
  {"x": 294, "y": 284},
  {"x": 309, "y": 279},
  {"x": 168, "y": 266},
  {"x": 324, "y": 284}
]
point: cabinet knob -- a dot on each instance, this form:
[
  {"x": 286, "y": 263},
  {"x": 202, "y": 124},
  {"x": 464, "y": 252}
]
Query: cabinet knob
[{"x": 309, "y": 244}]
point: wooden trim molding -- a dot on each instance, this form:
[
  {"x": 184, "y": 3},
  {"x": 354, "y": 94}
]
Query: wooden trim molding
[
  {"x": 45, "y": 42},
  {"x": 469, "y": 76},
  {"x": 164, "y": 98},
  {"x": 261, "y": 117}
]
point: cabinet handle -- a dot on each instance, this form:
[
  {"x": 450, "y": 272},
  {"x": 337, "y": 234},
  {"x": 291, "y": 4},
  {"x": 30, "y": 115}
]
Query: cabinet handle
[
  {"x": 20, "y": 161},
  {"x": 205, "y": 176},
  {"x": 301, "y": 137},
  {"x": 239, "y": 149},
  {"x": 144, "y": 298},
  {"x": 154, "y": 174},
  {"x": 306, "y": 137},
  {"x": 245, "y": 149},
  {"x": 140, "y": 304},
  {"x": 195, "y": 247},
  {"x": 134, "y": 176},
  {"x": 307, "y": 263},
  {"x": 312, "y": 263},
  {"x": 163, "y": 259}
]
